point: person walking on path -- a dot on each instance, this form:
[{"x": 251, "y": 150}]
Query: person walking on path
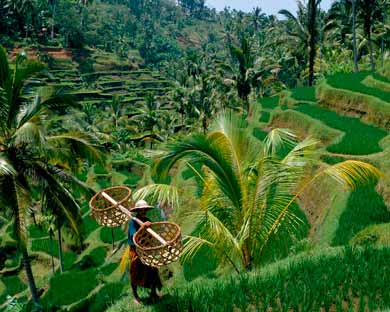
[{"x": 141, "y": 274}]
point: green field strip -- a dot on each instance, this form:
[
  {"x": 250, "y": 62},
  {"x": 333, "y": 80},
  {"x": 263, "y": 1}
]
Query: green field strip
[
  {"x": 353, "y": 82},
  {"x": 304, "y": 125},
  {"x": 364, "y": 208},
  {"x": 269, "y": 103},
  {"x": 372, "y": 82},
  {"x": 305, "y": 94},
  {"x": 359, "y": 138}
]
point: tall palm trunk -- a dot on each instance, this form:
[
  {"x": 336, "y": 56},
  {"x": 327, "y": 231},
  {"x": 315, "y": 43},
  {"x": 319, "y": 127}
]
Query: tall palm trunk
[
  {"x": 312, "y": 39},
  {"x": 53, "y": 14},
  {"x": 355, "y": 51},
  {"x": 52, "y": 250},
  {"x": 372, "y": 63},
  {"x": 60, "y": 245},
  {"x": 30, "y": 278},
  {"x": 383, "y": 35}
]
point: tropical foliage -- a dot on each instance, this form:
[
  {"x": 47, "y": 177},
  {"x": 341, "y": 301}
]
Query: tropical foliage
[{"x": 249, "y": 190}]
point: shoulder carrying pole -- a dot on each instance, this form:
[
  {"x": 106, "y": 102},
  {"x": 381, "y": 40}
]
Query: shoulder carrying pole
[{"x": 128, "y": 213}]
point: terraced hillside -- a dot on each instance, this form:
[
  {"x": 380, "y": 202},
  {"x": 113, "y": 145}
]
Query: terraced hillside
[
  {"x": 95, "y": 76},
  {"x": 92, "y": 282},
  {"x": 347, "y": 114}
]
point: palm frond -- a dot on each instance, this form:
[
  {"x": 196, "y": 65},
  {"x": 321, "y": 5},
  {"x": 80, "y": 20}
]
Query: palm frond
[
  {"x": 191, "y": 246},
  {"x": 30, "y": 132},
  {"x": 277, "y": 139},
  {"x": 163, "y": 193},
  {"x": 79, "y": 146},
  {"x": 6, "y": 168},
  {"x": 352, "y": 173},
  {"x": 4, "y": 67}
]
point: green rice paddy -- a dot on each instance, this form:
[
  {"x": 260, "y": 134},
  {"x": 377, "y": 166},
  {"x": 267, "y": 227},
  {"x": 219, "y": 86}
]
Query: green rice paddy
[{"x": 359, "y": 138}]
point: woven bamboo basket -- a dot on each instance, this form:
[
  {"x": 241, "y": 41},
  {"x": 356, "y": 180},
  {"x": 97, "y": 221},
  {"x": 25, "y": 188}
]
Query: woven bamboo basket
[
  {"x": 151, "y": 252},
  {"x": 107, "y": 214},
  {"x": 157, "y": 245}
]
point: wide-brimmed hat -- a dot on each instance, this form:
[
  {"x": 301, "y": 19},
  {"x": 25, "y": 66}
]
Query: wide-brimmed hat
[{"x": 139, "y": 205}]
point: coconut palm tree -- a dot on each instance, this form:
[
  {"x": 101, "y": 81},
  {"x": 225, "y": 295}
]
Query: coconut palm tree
[
  {"x": 342, "y": 23},
  {"x": 34, "y": 156},
  {"x": 305, "y": 30},
  {"x": 250, "y": 188},
  {"x": 369, "y": 11},
  {"x": 116, "y": 105},
  {"x": 150, "y": 116},
  {"x": 355, "y": 49}
]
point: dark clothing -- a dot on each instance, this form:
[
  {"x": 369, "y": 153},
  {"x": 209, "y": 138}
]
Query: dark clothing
[{"x": 141, "y": 274}]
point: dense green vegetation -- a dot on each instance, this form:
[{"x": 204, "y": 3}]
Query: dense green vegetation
[{"x": 264, "y": 137}]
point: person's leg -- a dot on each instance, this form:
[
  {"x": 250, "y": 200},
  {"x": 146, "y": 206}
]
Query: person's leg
[
  {"x": 137, "y": 299},
  {"x": 153, "y": 293}
]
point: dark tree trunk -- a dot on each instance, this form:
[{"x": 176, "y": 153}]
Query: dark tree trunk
[
  {"x": 355, "y": 51},
  {"x": 372, "y": 63},
  {"x": 383, "y": 36},
  {"x": 53, "y": 14},
  {"x": 312, "y": 38},
  {"x": 52, "y": 250},
  {"x": 31, "y": 280},
  {"x": 204, "y": 125},
  {"x": 60, "y": 245}
]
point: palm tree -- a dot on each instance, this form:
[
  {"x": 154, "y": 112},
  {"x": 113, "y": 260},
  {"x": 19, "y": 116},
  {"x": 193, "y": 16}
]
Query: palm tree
[
  {"x": 82, "y": 5},
  {"x": 355, "y": 50},
  {"x": 342, "y": 20},
  {"x": 384, "y": 6},
  {"x": 305, "y": 31},
  {"x": 33, "y": 156},
  {"x": 369, "y": 11},
  {"x": 150, "y": 115},
  {"x": 250, "y": 189},
  {"x": 116, "y": 105},
  {"x": 244, "y": 71}
]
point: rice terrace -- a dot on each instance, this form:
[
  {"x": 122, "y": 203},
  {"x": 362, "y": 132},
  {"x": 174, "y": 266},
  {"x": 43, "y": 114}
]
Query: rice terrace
[{"x": 192, "y": 155}]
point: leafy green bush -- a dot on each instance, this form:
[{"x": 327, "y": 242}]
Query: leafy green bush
[
  {"x": 359, "y": 138},
  {"x": 106, "y": 237}
]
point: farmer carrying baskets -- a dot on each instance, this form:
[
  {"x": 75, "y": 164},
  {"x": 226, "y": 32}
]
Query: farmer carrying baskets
[
  {"x": 150, "y": 245},
  {"x": 141, "y": 274}
]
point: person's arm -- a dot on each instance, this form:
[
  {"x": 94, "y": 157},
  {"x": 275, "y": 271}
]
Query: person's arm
[{"x": 147, "y": 224}]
